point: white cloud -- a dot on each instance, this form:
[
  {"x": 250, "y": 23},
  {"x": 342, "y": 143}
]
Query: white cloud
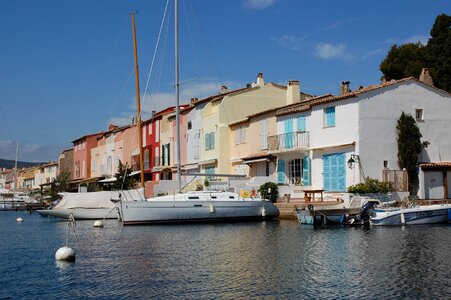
[
  {"x": 423, "y": 39},
  {"x": 331, "y": 51},
  {"x": 257, "y": 4},
  {"x": 372, "y": 53},
  {"x": 160, "y": 101},
  {"x": 289, "y": 41}
]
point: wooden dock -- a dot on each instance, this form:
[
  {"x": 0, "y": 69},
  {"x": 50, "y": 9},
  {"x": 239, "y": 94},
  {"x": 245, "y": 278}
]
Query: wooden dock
[{"x": 288, "y": 210}]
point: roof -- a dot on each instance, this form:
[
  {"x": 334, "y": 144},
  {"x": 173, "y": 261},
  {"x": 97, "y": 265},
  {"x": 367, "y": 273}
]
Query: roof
[
  {"x": 86, "y": 136},
  {"x": 436, "y": 165},
  {"x": 307, "y": 104}
]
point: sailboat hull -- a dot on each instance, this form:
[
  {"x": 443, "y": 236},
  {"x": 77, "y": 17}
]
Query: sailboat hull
[{"x": 154, "y": 211}]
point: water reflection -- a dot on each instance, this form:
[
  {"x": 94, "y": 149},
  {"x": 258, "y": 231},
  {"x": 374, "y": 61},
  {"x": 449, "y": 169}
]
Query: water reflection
[{"x": 277, "y": 259}]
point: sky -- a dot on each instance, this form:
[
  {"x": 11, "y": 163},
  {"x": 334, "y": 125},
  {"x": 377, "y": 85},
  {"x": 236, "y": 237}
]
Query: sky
[{"x": 67, "y": 68}]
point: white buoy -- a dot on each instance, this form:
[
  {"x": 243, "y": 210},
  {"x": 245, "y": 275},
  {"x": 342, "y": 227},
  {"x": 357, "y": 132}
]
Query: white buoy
[
  {"x": 98, "y": 223},
  {"x": 212, "y": 208},
  {"x": 19, "y": 220},
  {"x": 263, "y": 212},
  {"x": 403, "y": 220},
  {"x": 65, "y": 254}
]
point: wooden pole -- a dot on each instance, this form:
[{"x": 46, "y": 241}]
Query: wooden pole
[{"x": 138, "y": 102}]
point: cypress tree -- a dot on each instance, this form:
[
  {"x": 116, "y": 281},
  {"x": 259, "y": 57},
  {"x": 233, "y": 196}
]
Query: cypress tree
[{"x": 409, "y": 148}]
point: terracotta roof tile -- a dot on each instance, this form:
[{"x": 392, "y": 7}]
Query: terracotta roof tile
[{"x": 436, "y": 165}]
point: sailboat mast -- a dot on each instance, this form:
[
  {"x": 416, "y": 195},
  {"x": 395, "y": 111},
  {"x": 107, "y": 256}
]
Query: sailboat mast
[
  {"x": 138, "y": 103},
  {"x": 177, "y": 95},
  {"x": 15, "y": 168}
]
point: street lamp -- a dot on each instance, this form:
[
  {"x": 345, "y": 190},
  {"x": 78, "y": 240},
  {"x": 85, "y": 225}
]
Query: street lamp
[{"x": 352, "y": 160}]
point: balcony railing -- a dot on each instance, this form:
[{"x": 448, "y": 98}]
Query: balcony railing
[{"x": 291, "y": 140}]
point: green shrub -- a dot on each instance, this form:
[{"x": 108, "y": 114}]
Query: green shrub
[
  {"x": 371, "y": 186},
  {"x": 271, "y": 195}
]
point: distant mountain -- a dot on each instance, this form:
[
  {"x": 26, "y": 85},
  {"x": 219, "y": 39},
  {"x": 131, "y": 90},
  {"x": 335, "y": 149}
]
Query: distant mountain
[{"x": 9, "y": 164}]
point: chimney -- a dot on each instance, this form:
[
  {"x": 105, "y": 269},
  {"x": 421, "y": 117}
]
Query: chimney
[
  {"x": 293, "y": 92},
  {"x": 194, "y": 100},
  {"x": 260, "y": 80},
  {"x": 426, "y": 77},
  {"x": 344, "y": 87},
  {"x": 153, "y": 113},
  {"x": 223, "y": 89},
  {"x": 112, "y": 127}
]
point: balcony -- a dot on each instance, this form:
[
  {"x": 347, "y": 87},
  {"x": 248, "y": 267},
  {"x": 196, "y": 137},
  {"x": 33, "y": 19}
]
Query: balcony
[{"x": 287, "y": 141}]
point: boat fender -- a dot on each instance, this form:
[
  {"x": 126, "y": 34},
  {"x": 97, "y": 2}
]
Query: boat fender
[
  {"x": 403, "y": 219},
  {"x": 212, "y": 208},
  {"x": 310, "y": 207},
  {"x": 19, "y": 220},
  {"x": 263, "y": 212},
  {"x": 65, "y": 254}
]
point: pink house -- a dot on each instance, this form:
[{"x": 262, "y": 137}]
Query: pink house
[{"x": 82, "y": 155}]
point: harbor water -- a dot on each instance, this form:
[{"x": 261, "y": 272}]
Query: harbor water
[{"x": 278, "y": 259}]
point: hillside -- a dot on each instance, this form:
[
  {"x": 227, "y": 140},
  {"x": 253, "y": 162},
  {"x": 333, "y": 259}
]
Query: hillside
[{"x": 9, "y": 164}]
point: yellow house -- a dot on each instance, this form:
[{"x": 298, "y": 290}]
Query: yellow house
[{"x": 233, "y": 107}]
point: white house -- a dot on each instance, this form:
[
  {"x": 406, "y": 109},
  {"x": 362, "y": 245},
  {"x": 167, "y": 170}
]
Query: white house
[{"x": 326, "y": 132}]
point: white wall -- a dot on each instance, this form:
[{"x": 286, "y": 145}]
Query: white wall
[{"x": 379, "y": 112}]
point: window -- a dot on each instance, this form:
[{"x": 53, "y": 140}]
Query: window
[
  {"x": 329, "y": 117},
  {"x": 189, "y": 125},
  {"x": 146, "y": 159},
  {"x": 210, "y": 141},
  {"x": 419, "y": 115},
  {"x": 157, "y": 131},
  {"x": 240, "y": 135},
  {"x": 264, "y": 134},
  {"x": 295, "y": 174},
  {"x": 93, "y": 164},
  {"x": 210, "y": 170}
]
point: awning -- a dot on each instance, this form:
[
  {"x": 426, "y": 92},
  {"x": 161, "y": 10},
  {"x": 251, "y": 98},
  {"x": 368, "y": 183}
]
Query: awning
[
  {"x": 208, "y": 162},
  {"x": 106, "y": 180},
  {"x": 134, "y": 173},
  {"x": 258, "y": 158},
  {"x": 255, "y": 160}
]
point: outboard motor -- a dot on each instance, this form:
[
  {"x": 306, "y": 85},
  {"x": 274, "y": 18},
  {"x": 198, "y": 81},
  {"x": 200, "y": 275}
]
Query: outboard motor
[{"x": 365, "y": 211}]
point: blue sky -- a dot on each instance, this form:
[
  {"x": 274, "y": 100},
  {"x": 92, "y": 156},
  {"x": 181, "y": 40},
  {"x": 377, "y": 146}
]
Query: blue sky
[{"x": 66, "y": 67}]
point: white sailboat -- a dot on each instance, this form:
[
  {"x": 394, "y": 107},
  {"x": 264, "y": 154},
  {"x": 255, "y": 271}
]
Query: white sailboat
[{"x": 191, "y": 206}]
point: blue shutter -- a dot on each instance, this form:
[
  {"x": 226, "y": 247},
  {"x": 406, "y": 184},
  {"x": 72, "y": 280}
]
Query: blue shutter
[
  {"x": 326, "y": 172},
  {"x": 330, "y": 116},
  {"x": 300, "y": 123},
  {"x": 280, "y": 171},
  {"x": 288, "y": 124},
  {"x": 306, "y": 170},
  {"x": 341, "y": 172},
  {"x": 212, "y": 140}
]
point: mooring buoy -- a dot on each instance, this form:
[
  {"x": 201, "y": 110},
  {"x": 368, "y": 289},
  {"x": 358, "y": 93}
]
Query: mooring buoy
[
  {"x": 65, "y": 254},
  {"x": 98, "y": 223},
  {"x": 19, "y": 220}
]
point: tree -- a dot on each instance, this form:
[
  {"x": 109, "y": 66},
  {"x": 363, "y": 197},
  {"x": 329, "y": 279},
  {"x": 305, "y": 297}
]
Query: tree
[
  {"x": 404, "y": 61},
  {"x": 269, "y": 190},
  {"x": 409, "y": 148},
  {"x": 123, "y": 179},
  {"x": 59, "y": 184},
  {"x": 439, "y": 52},
  {"x": 408, "y": 59}
]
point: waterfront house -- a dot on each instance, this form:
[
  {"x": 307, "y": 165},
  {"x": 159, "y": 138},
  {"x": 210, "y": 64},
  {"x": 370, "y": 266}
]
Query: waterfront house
[
  {"x": 353, "y": 136},
  {"x": 208, "y": 121},
  {"x": 82, "y": 159},
  {"x": 65, "y": 162}
]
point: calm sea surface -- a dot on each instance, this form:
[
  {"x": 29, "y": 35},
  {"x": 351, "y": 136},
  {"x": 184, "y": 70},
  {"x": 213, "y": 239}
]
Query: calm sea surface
[{"x": 259, "y": 260}]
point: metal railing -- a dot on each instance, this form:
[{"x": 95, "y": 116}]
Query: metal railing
[{"x": 291, "y": 140}]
